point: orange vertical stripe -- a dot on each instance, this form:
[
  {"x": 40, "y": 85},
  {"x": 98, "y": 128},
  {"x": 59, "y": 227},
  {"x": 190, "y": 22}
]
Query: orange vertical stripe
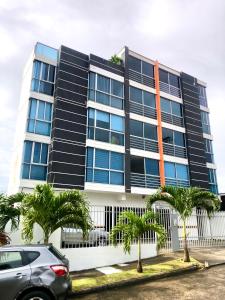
[{"x": 159, "y": 128}]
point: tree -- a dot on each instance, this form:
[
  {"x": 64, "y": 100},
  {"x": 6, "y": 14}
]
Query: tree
[
  {"x": 132, "y": 227},
  {"x": 52, "y": 211},
  {"x": 184, "y": 200},
  {"x": 116, "y": 59},
  {"x": 10, "y": 210}
]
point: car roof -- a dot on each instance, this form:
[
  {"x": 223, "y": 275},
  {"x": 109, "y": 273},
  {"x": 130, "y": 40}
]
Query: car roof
[{"x": 16, "y": 247}]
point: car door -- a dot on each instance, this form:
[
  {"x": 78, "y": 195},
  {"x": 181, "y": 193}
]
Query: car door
[{"x": 14, "y": 273}]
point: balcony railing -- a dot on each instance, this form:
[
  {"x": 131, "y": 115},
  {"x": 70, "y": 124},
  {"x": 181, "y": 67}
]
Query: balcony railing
[
  {"x": 177, "y": 182},
  {"x": 172, "y": 119},
  {"x": 170, "y": 89},
  {"x": 140, "y": 78},
  {"x": 174, "y": 150},
  {"x": 145, "y": 181},
  {"x": 143, "y": 110},
  {"x": 143, "y": 144}
]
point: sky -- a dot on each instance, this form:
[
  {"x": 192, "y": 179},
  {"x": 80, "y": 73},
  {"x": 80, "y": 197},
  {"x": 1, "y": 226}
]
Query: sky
[{"x": 187, "y": 35}]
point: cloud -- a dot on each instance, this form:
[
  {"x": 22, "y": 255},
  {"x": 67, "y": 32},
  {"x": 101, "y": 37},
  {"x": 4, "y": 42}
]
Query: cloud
[{"x": 186, "y": 35}]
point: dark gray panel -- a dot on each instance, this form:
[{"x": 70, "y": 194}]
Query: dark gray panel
[
  {"x": 67, "y": 169},
  {"x": 194, "y": 134}
]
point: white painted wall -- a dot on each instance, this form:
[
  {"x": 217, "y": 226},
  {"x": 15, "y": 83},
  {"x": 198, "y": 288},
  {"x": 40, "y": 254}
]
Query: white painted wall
[{"x": 87, "y": 258}]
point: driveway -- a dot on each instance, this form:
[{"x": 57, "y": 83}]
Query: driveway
[{"x": 207, "y": 284}]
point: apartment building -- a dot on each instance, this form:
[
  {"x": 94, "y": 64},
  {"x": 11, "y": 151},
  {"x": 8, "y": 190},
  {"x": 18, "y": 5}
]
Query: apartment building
[{"x": 117, "y": 132}]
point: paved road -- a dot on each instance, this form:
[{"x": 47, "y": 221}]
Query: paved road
[{"x": 208, "y": 285}]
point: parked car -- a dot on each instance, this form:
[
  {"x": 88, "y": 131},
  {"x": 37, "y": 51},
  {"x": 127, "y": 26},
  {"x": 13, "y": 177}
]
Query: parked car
[
  {"x": 73, "y": 237},
  {"x": 33, "y": 272}
]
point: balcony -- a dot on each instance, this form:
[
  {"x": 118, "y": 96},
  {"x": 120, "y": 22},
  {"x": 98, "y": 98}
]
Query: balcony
[
  {"x": 173, "y": 150},
  {"x": 144, "y": 181},
  {"x": 140, "y": 78},
  {"x": 143, "y": 110},
  {"x": 172, "y": 119},
  {"x": 170, "y": 89},
  {"x": 177, "y": 182},
  {"x": 143, "y": 144}
]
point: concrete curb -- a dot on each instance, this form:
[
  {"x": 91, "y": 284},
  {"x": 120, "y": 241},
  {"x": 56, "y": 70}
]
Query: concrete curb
[{"x": 133, "y": 281}]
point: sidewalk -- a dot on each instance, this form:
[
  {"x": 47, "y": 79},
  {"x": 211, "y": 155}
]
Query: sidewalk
[{"x": 213, "y": 256}]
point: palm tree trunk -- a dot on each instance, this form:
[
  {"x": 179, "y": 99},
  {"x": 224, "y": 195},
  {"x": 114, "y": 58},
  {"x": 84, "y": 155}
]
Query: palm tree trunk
[
  {"x": 46, "y": 237},
  {"x": 139, "y": 264},
  {"x": 186, "y": 252}
]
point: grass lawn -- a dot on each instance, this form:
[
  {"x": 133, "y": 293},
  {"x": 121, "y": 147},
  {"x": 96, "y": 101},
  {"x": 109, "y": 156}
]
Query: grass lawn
[{"x": 148, "y": 270}]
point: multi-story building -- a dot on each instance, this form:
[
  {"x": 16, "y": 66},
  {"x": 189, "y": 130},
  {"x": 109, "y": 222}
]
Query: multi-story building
[{"x": 117, "y": 132}]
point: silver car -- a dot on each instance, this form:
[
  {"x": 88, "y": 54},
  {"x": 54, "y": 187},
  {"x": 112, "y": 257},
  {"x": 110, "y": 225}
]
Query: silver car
[{"x": 33, "y": 272}]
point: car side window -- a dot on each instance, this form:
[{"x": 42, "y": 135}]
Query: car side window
[
  {"x": 10, "y": 260},
  {"x": 31, "y": 255}
]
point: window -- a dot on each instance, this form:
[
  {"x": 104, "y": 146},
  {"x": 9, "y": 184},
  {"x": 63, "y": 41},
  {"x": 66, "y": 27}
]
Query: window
[
  {"x": 173, "y": 137},
  {"x": 46, "y": 51},
  {"x": 143, "y": 130},
  {"x": 35, "y": 159},
  {"x": 10, "y": 260},
  {"x": 105, "y": 90},
  {"x": 169, "y": 78},
  {"x": 105, "y": 127},
  {"x": 141, "y": 66},
  {"x": 105, "y": 167},
  {"x": 142, "y": 97},
  {"x": 202, "y": 96},
  {"x": 176, "y": 174},
  {"x": 205, "y": 122},
  {"x": 213, "y": 181},
  {"x": 43, "y": 78},
  {"x": 39, "y": 117},
  {"x": 171, "y": 107},
  {"x": 209, "y": 151},
  {"x": 144, "y": 172}
]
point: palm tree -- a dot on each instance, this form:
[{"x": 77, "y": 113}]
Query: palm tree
[
  {"x": 132, "y": 227},
  {"x": 10, "y": 210},
  {"x": 52, "y": 211},
  {"x": 184, "y": 200}
]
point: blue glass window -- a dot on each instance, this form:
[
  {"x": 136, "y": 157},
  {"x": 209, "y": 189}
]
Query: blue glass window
[
  {"x": 205, "y": 122},
  {"x": 165, "y": 105},
  {"x": 43, "y": 78},
  {"x": 170, "y": 171},
  {"x": 149, "y": 99},
  {"x": 150, "y": 131},
  {"x": 151, "y": 166},
  {"x": 117, "y": 88},
  {"x": 136, "y": 128},
  {"x": 40, "y": 117},
  {"x": 134, "y": 64},
  {"x": 101, "y": 176},
  {"x": 135, "y": 94},
  {"x": 108, "y": 167},
  {"x": 92, "y": 80},
  {"x": 179, "y": 139},
  {"x": 35, "y": 161},
  {"x": 27, "y": 151},
  {"x": 102, "y": 119},
  {"x": 176, "y": 109},
  {"x": 109, "y": 128},
  {"x": 105, "y": 90},
  {"x": 103, "y": 84},
  {"x": 117, "y": 123},
  {"x": 46, "y": 51},
  {"x": 182, "y": 172},
  {"x": 116, "y": 162},
  {"x": 117, "y": 178},
  {"x": 101, "y": 159}
]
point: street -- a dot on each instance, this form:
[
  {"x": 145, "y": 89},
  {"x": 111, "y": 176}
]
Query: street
[{"x": 206, "y": 284}]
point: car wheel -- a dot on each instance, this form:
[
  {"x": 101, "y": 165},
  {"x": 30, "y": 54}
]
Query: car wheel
[{"x": 36, "y": 295}]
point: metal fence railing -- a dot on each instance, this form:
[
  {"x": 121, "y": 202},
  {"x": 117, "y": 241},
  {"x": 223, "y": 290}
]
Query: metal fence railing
[
  {"x": 104, "y": 218},
  {"x": 201, "y": 230}
]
